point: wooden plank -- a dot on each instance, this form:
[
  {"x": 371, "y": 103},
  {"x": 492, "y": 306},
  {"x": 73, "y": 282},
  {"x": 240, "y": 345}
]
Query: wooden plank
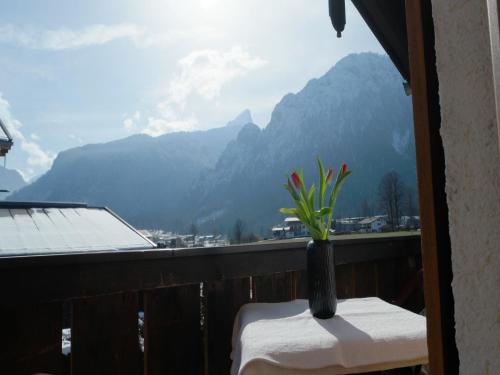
[
  {"x": 31, "y": 339},
  {"x": 172, "y": 331},
  {"x": 104, "y": 336},
  {"x": 88, "y": 275},
  {"x": 409, "y": 284},
  {"x": 436, "y": 247},
  {"x": 345, "y": 281},
  {"x": 224, "y": 298},
  {"x": 365, "y": 283},
  {"x": 301, "y": 284},
  {"x": 277, "y": 287},
  {"x": 386, "y": 279}
]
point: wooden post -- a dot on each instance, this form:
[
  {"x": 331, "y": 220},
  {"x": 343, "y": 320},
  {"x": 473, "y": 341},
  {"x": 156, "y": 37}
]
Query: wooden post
[{"x": 436, "y": 247}]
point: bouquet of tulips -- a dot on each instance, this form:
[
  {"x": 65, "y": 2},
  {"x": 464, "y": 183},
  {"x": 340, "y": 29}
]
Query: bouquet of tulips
[{"x": 318, "y": 221}]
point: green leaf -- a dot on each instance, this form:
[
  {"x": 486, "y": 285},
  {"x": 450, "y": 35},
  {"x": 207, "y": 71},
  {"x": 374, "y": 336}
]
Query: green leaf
[
  {"x": 302, "y": 184},
  {"x": 322, "y": 183},
  {"x": 289, "y": 211},
  {"x": 324, "y": 211},
  {"x": 304, "y": 208},
  {"x": 310, "y": 197},
  {"x": 292, "y": 190},
  {"x": 333, "y": 195}
]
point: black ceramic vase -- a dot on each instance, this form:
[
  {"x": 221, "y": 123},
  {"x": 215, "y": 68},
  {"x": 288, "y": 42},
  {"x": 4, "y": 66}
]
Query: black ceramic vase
[{"x": 321, "y": 279}]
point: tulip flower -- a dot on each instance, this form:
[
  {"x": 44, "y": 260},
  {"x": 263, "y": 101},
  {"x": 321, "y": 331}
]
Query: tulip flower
[
  {"x": 296, "y": 179},
  {"x": 317, "y": 219},
  {"x": 329, "y": 176}
]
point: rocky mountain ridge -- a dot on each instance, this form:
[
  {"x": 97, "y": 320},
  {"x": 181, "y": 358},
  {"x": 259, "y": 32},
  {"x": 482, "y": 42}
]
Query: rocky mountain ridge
[{"x": 356, "y": 113}]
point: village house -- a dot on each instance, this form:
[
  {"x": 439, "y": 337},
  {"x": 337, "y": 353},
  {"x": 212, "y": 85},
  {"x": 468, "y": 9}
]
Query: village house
[
  {"x": 372, "y": 224},
  {"x": 292, "y": 227},
  {"x": 347, "y": 224}
]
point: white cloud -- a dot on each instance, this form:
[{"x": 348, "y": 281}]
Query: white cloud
[
  {"x": 34, "y": 136},
  {"x": 38, "y": 160},
  {"x": 128, "y": 124},
  {"x": 131, "y": 123},
  {"x": 204, "y": 73},
  {"x": 65, "y": 38},
  {"x": 98, "y": 34},
  {"x": 76, "y": 138},
  {"x": 36, "y": 156},
  {"x": 169, "y": 123}
]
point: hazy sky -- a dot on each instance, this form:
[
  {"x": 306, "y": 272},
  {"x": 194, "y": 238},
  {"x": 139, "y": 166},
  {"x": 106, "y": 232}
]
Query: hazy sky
[{"x": 77, "y": 72}]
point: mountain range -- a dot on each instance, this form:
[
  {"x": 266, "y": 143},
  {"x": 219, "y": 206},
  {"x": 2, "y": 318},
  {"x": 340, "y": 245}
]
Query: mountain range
[
  {"x": 11, "y": 180},
  {"x": 356, "y": 113}
]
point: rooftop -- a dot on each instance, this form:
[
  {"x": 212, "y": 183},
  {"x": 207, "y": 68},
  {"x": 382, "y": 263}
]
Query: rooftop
[{"x": 44, "y": 228}]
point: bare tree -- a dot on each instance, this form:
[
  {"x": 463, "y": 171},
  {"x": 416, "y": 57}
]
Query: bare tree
[
  {"x": 238, "y": 231},
  {"x": 410, "y": 202},
  {"x": 194, "y": 229},
  {"x": 365, "y": 208},
  {"x": 390, "y": 191}
]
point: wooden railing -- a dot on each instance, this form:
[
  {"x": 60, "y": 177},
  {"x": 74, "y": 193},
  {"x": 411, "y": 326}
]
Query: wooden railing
[{"x": 189, "y": 298}]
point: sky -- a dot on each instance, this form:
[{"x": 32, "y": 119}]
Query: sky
[{"x": 92, "y": 71}]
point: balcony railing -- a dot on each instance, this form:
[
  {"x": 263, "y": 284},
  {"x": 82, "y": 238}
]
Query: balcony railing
[{"x": 189, "y": 298}]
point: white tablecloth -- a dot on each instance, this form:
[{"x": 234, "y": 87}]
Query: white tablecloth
[{"x": 366, "y": 334}]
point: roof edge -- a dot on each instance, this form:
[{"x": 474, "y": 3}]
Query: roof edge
[{"x": 14, "y": 204}]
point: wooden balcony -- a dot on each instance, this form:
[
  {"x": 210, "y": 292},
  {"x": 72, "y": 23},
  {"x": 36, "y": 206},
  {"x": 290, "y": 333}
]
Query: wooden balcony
[{"x": 189, "y": 298}]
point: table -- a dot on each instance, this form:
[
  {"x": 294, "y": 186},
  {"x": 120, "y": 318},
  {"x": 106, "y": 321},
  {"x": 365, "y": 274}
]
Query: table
[{"x": 366, "y": 334}]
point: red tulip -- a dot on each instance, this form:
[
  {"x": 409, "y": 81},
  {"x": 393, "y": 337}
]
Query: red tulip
[
  {"x": 296, "y": 179},
  {"x": 329, "y": 176},
  {"x": 344, "y": 168}
]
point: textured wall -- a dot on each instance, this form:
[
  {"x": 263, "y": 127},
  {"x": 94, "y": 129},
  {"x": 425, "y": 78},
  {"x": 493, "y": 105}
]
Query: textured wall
[{"x": 470, "y": 137}]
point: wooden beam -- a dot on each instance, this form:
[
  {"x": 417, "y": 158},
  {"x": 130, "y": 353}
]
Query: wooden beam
[
  {"x": 57, "y": 278},
  {"x": 385, "y": 18},
  {"x": 436, "y": 247}
]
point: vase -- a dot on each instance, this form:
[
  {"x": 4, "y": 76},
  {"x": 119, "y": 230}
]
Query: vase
[{"x": 321, "y": 279}]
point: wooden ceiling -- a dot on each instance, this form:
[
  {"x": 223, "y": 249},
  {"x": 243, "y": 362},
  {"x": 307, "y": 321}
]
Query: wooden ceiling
[{"x": 387, "y": 21}]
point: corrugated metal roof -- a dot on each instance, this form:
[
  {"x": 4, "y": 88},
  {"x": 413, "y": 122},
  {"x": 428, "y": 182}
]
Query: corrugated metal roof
[{"x": 64, "y": 229}]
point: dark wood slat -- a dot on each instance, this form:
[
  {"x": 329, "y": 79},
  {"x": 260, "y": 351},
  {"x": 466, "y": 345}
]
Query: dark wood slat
[
  {"x": 172, "y": 331},
  {"x": 386, "y": 279},
  {"x": 408, "y": 287},
  {"x": 104, "y": 336},
  {"x": 31, "y": 339},
  {"x": 301, "y": 284},
  {"x": 365, "y": 280},
  {"x": 278, "y": 287},
  {"x": 345, "y": 281},
  {"x": 224, "y": 298}
]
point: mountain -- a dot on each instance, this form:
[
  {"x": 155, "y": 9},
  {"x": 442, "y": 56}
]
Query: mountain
[
  {"x": 10, "y": 180},
  {"x": 140, "y": 177},
  {"x": 356, "y": 113}
]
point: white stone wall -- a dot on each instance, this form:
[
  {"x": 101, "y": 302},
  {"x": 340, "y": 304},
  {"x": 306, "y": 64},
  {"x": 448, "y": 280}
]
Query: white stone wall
[{"x": 470, "y": 137}]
